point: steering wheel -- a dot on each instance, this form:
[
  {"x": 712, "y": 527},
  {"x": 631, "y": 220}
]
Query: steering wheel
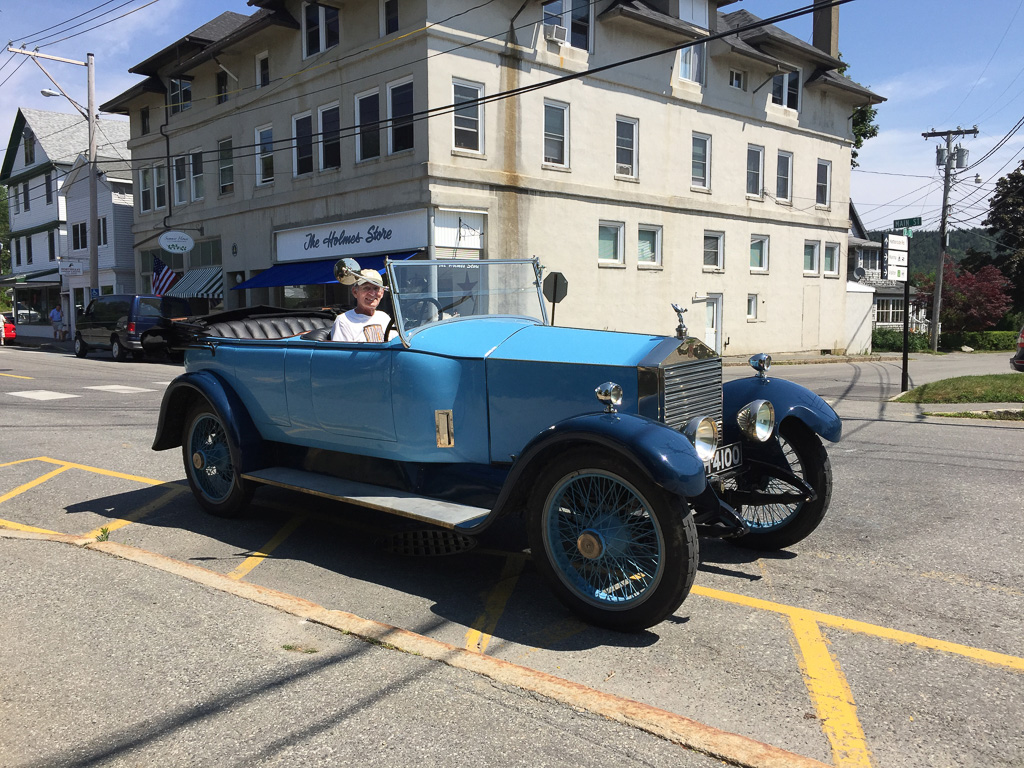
[{"x": 425, "y": 300}]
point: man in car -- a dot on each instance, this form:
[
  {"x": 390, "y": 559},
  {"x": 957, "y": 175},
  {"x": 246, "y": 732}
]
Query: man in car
[{"x": 365, "y": 322}]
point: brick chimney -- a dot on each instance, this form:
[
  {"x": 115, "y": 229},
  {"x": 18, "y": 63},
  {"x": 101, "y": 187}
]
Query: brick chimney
[{"x": 826, "y": 29}]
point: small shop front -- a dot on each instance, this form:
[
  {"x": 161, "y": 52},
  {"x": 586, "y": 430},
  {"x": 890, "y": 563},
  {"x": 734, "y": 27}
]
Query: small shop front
[{"x": 33, "y": 297}]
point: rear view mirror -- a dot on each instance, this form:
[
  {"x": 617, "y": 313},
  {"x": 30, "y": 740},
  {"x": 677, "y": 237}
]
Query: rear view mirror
[{"x": 346, "y": 271}]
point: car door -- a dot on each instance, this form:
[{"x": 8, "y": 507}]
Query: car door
[{"x": 87, "y": 322}]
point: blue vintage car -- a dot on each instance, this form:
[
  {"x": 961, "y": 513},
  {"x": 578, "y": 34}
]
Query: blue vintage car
[{"x": 615, "y": 451}]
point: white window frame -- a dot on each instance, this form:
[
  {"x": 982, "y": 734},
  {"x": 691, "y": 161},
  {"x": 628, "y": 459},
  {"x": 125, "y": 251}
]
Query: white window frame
[
  {"x": 764, "y": 252},
  {"x": 694, "y": 58},
  {"x": 738, "y": 79},
  {"x": 179, "y": 171},
  {"x": 261, "y": 179},
  {"x": 79, "y": 236},
  {"x": 657, "y": 230},
  {"x": 101, "y": 231},
  {"x": 197, "y": 182},
  {"x": 391, "y": 87},
  {"x": 145, "y": 188},
  {"x": 751, "y": 306},
  {"x": 159, "y": 186},
  {"x": 814, "y": 268},
  {"x": 16, "y": 200},
  {"x": 260, "y": 58},
  {"x": 295, "y": 144},
  {"x": 620, "y": 236},
  {"x": 359, "y": 97},
  {"x": 827, "y": 165},
  {"x": 321, "y": 29},
  {"x": 26, "y": 193},
  {"x": 787, "y": 79},
  {"x": 706, "y": 138},
  {"x": 176, "y": 92},
  {"x": 870, "y": 259},
  {"x": 788, "y": 196},
  {"x": 323, "y": 139},
  {"x": 222, "y": 166},
  {"x": 563, "y": 18},
  {"x": 759, "y": 195},
  {"x": 477, "y": 116},
  {"x": 694, "y": 12},
  {"x": 719, "y": 264},
  {"x": 837, "y": 248},
  {"x": 564, "y": 137},
  {"x": 634, "y": 164}
]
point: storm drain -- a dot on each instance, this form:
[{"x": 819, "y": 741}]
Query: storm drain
[{"x": 428, "y": 543}]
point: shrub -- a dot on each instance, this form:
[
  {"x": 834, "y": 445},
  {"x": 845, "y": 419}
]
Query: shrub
[
  {"x": 891, "y": 340},
  {"x": 980, "y": 340}
]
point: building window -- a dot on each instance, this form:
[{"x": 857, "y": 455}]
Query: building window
[
  {"x": 222, "y": 87},
  {"x": 263, "y": 70},
  {"x": 28, "y": 250},
  {"x": 368, "y": 119},
  {"x": 811, "y": 257},
  {"x": 400, "y": 126},
  {"x": 144, "y": 120},
  {"x": 79, "y": 237},
  {"x": 831, "y": 258},
  {"x": 714, "y": 250},
  {"x": 389, "y": 16},
  {"x": 751, "y": 306},
  {"x": 691, "y": 63},
  {"x": 700, "y": 162},
  {"x": 196, "y": 169},
  {"x": 870, "y": 259},
  {"x": 180, "y": 94},
  {"x": 889, "y": 310},
  {"x": 626, "y": 130},
  {"x": 101, "y": 231},
  {"x": 575, "y": 16},
  {"x": 225, "y": 167},
  {"x": 321, "y": 28},
  {"x": 330, "y": 137},
  {"x": 784, "y": 177},
  {"x": 759, "y": 253},
  {"x": 556, "y": 133},
  {"x": 30, "y": 147},
  {"x": 695, "y": 12},
  {"x": 17, "y": 252},
  {"x": 265, "y": 154},
  {"x": 738, "y": 79},
  {"x": 49, "y": 189},
  {"x": 609, "y": 242},
  {"x": 160, "y": 185},
  {"x": 823, "y": 188},
  {"x": 180, "y": 171},
  {"x": 755, "y": 164},
  {"x": 51, "y": 245},
  {"x": 16, "y": 200},
  {"x": 648, "y": 247},
  {"x": 467, "y": 123},
  {"x": 145, "y": 189},
  {"x": 302, "y": 150},
  {"x": 26, "y": 194},
  {"x": 786, "y": 90}
]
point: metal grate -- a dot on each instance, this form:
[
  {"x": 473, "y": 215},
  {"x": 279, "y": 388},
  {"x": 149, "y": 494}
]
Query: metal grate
[
  {"x": 428, "y": 543},
  {"x": 693, "y": 388}
]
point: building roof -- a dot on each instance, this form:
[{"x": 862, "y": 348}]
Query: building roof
[
  {"x": 191, "y": 43},
  {"x": 773, "y": 37},
  {"x": 63, "y": 136}
]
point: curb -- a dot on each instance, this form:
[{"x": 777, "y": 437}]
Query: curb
[{"x": 732, "y": 748}]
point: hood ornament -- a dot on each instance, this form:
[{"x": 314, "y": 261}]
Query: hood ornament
[{"x": 681, "y": 330}]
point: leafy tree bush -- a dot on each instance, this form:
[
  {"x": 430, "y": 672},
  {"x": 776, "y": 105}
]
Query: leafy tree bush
[
  {"x": 891, "y": 340},
  {"x": 980, "y": 340},
  {"x": 971, "y": 301}
]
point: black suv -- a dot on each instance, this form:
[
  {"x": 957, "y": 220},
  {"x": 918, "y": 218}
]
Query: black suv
[{"x": 117, "y": 322}]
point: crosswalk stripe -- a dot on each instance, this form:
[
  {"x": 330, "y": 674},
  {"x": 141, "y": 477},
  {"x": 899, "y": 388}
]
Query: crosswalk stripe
[{"x": 42, "y": 394}]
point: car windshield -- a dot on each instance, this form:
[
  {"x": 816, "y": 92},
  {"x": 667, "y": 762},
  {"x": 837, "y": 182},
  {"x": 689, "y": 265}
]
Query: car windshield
[{"x": 426, "y": 292}]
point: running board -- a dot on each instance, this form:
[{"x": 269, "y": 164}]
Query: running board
[{"x": 445, "y": 514}]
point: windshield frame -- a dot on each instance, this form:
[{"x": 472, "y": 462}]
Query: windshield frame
[{"x": 396, "y": 295}]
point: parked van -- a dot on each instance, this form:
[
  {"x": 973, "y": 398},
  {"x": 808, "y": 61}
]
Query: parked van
[{"x": 118, "y": 321}]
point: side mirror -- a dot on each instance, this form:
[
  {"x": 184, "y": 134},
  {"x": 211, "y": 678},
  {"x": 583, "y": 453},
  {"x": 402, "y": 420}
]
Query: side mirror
[{"x": 346, "y": 271}]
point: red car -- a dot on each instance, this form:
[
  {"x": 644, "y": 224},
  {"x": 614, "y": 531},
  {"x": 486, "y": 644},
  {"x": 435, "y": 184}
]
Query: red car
[{"x": 10, "y": 332}]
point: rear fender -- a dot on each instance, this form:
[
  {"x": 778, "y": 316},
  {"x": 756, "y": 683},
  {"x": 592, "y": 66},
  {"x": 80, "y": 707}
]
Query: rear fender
[
  {"x": 789, "y": 400},
  {"x": 245, "y": 440}
]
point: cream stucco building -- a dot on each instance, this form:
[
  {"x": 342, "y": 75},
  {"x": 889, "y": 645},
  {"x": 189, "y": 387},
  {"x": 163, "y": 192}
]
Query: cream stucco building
[{"x": 714, "y": 174}]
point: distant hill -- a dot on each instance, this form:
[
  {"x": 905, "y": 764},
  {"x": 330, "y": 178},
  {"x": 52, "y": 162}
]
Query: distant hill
[{"x": 924, "y": 246}]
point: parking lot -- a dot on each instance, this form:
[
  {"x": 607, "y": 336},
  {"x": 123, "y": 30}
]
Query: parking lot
[{"x": 892, "y": 636}]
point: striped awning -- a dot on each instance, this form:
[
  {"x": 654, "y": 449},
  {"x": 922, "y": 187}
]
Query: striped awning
[{"x": 204, "y": 283}]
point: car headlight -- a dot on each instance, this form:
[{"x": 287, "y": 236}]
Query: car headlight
[
  {"x": 757, "y": 420},
  {"x": 703, "y": 433}
]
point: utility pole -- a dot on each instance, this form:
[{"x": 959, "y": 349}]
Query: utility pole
[{"x": 948, "y": 163}]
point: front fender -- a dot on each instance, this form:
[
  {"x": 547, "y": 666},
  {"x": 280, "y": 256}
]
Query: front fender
[
  {"x": 787, "y": 398},
  {"x": 182, "y": 393}
]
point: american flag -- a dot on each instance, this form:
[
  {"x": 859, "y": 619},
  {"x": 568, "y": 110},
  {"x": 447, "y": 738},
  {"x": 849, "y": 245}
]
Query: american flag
[{"x": 163, "y": 276}]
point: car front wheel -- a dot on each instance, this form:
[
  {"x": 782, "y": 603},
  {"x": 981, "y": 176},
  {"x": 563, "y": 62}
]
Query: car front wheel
[
  {"x": 81, "y": 348},
  {"x": 617, "y": 550},
  {"x": 206, "y": 452}
]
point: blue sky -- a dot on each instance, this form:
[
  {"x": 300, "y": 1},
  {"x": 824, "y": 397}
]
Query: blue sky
[{"x": 940, "y": 65}]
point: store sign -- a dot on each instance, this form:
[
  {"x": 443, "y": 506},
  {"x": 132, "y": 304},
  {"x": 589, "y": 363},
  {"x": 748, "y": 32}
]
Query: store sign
[
  {"x": 377, "y": 234},
  {"x": 176, "y": 242},
  {"x": 70, "y": 268}
]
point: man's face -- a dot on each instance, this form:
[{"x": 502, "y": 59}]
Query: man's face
[{"x": 367, "y": 297}]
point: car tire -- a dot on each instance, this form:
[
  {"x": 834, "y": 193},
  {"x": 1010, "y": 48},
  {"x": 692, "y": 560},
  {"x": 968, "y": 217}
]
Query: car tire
[
  {"x": 118, "y": 350},
  {"x": 625, "y": 566},
  {"x": 776, "y": 526},
  {"x": 81, "y": 348},
  {"x": 206, "y": 452}
]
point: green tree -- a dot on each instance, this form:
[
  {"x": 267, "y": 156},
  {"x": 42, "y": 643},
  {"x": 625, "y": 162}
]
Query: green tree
[
  {"x": 971, "y": 301},
  {"x": 1006, "y": 226},
  {"x": 864, "y": 125}
]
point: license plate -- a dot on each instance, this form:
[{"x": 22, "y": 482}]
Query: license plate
[{"x": 726, "y": 458}]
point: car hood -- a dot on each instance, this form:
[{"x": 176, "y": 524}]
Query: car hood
[{"x": 497, "y": 338}]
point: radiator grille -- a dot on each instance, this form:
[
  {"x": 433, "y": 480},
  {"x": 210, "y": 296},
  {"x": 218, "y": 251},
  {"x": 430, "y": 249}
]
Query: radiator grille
[{"x": 693, "y": 388}]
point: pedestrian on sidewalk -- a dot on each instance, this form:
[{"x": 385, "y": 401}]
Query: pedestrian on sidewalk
[{"x": 57, "y": 321}]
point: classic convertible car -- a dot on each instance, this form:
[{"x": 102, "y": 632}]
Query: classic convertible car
[{"x": 614, "y": 450}]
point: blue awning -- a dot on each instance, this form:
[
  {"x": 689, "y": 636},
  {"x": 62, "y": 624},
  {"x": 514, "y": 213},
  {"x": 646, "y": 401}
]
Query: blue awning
[{"x": 314, "y": 272}]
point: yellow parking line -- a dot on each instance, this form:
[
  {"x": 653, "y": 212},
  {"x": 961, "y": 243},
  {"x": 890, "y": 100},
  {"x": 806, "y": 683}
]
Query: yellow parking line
[
  {"x": 137, "y": 514},
  {"x": 479, "y": 635},
  {"x": 831, "y": 695},
  {"x": 19, "y": 461},
  {"x": 863, "y": 627},
  {"x": 98, "y": 471},
  {"x": 32, "y": 484},
  {"x": 19, "y": 527},
  {"x": 12, "y": 376},
  {"x": 258, "y": 557}
]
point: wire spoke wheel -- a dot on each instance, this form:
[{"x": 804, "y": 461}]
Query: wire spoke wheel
[
  {"x": 207, "y": 455},
  {"x": 770, "y": 516}
]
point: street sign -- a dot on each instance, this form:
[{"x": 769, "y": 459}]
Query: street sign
[
  {"x": 908, "y": 232},
  {"x": 895, "y": 258},
  {"x": 555, "y": 287},
  {"x": 895, "y": 243},
  {"x": 904, "y": 223}
]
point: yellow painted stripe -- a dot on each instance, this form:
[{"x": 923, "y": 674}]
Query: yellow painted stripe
[
  {"x": 258, "y": 557},
  {"x": 19, "y": 461},
  {"x": 479, "y": 635},
  {"x": 12, "y": 376},
  {"x": 98, "y": 471},
  {"x": 32, "y": 484},
  {"x": 863, "y": 627},
  {"x": 19, "y": 527},
  {"x": 135, "y": 515},
  {"x": 831, "y": 695}
]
